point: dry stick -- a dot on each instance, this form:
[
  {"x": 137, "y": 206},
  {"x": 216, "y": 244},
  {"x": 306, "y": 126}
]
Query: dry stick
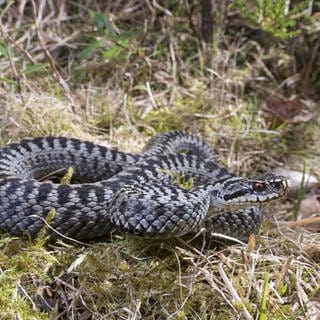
[
  {"x": 190, "y": 287},
  {"x": 310, "y": 6},
  {"x": 152, "y": 100},
  {"x": 161, "y": 8},
  {"x": 233, "y": 292},
  {"x": 16, "y": 74},
  {"x": 174, "y": 71},
  {"x": 209, "y": 278},
  {"x": 57, "y": 232},
  {"x": 9, "y": 39},
  {"x": 24, "y": 52},
  {"x": 55, "y": 72},
  {"x": 283, "y": 272},
  {"x": 298, "y": 223},
  {"x": 24, "y": 291},
  {"x": 13, "y": 67},
  {"x": 149, "y": 21}
]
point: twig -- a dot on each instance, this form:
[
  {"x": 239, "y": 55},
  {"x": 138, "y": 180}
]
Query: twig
[
  {"x": 283, "y": 272},
  {"x": 161, "y": 8},
  {"x": 16, "y": 74},
  {"x": 298, "y": 223},
  {"x": 153, "y": 102},
  {"x": 56, "y": 231},
  {"x": 55, "y": 72},
  {"x": 234, "y": 293}
]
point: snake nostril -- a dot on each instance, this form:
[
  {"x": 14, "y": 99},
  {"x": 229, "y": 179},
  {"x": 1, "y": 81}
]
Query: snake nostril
[{"x": 278, "y": 185}]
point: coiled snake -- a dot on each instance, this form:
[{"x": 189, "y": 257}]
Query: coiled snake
[{"x": 135, "y": 193}]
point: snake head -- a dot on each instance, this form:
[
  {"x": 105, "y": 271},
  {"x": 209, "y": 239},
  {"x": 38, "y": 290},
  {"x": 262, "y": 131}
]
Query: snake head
[
  {"x": 268, "y": 187},
  {"x": 238, "y": 192}
]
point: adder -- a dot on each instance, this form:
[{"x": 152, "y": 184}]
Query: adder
[{"x": 135, "y": 193}]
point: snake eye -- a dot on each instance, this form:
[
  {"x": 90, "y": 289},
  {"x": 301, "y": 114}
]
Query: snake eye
[{"x": 258, "y": 186}]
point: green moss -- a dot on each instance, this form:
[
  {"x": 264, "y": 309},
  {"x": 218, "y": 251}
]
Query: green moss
[
  {"x": 18, "y": 262},
  {"x": 164, "y": 119},
  {"x": 13, "y": 306},
  {"x": 120, "y": 281}
]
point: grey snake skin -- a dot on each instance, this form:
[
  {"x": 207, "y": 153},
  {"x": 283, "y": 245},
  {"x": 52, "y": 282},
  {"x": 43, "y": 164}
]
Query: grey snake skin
[{"x": 134, "y": 193}]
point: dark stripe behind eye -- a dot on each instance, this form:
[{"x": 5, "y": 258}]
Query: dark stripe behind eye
[{"x": 234, "y": 195}]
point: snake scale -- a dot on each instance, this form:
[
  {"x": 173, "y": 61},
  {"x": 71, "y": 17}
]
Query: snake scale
[{"x": 134, "y": 193}]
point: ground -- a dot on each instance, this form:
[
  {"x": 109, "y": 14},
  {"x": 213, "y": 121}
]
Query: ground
[{"x": 119, "y": 72}]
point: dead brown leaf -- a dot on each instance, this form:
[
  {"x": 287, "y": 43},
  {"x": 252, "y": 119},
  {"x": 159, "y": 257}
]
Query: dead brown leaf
[{"x": 291, "y": 111}]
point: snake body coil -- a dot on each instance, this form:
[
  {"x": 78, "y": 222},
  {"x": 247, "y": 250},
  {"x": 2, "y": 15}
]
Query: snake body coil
[{"x": 138, "y": 194}]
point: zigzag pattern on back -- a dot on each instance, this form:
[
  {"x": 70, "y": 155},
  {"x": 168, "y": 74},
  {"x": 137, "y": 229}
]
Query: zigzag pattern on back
[{"x": 135, "y": 193}]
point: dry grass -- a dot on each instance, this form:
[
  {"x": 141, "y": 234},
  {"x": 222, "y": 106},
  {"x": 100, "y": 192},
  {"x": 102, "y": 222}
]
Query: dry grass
[{"x": 64, "y": 73}]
